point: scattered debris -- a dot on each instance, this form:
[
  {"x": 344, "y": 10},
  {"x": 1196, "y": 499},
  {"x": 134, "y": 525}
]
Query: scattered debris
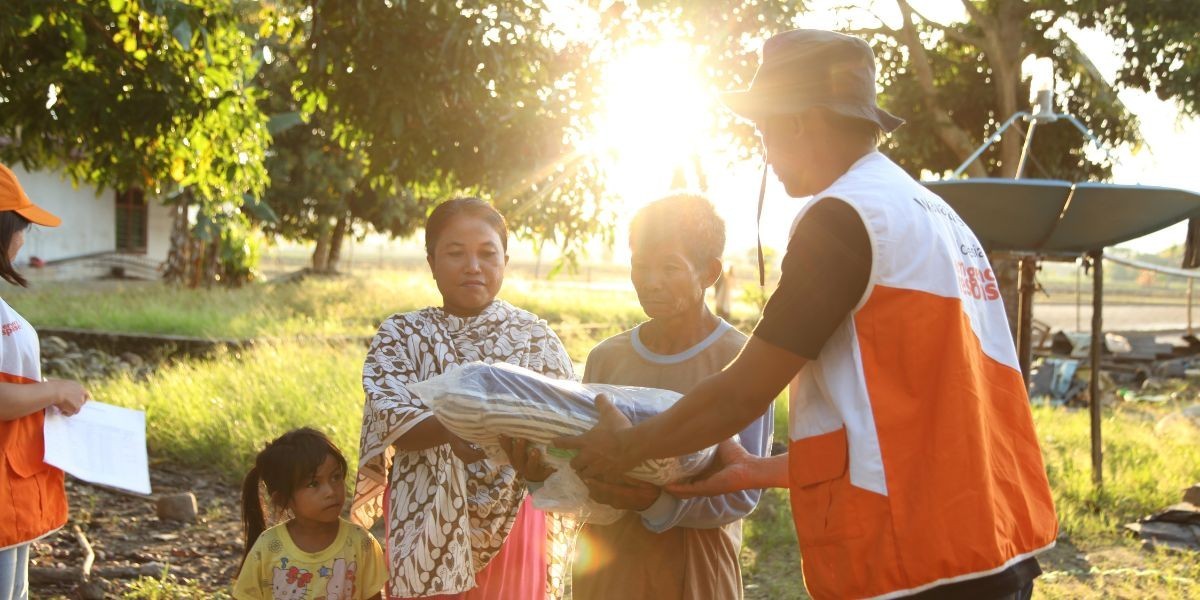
[
  {"x": 1055, "y": 378},
  {"x": 130, "y": 542},
  {"x": 1176, "y": 528},
  {"x": 1134, "y": 367},
  {"x": 1192, "y": 494}
]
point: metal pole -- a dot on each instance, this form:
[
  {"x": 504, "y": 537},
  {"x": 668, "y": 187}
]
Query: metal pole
[
  {"x": 1097, "y": 343},
  {"x": 1025, "y": 149},
  {"x": 992, "y": 139},
  {"x": 1025, "y": 287}
]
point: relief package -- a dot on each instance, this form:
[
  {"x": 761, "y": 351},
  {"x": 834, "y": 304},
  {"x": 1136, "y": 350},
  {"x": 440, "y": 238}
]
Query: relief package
[{"x": 480, "y": 403}]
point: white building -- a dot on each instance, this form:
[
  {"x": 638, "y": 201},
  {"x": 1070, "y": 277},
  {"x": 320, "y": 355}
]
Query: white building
[{"x": 101, "y": 230}]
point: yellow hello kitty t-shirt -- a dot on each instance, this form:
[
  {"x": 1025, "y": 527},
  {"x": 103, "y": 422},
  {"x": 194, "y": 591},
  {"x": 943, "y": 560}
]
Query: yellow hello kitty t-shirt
[{"x": 351, "y": 568}]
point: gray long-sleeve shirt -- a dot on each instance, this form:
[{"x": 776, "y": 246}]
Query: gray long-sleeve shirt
[{"x": 624, "y": 360}]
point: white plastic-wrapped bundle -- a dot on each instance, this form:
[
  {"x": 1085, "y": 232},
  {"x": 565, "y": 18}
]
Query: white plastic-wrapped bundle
[{"x": 480, "y": 402}]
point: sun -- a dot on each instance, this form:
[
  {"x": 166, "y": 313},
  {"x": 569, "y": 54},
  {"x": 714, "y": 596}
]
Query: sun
[{"x": 656, "y": 119}]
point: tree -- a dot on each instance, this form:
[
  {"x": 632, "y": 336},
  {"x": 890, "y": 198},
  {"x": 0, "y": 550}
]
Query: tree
[
  {"x": 439, "y": 98},
  {"x": 130, "y": 96},
  {"x": 147, "y": 95},
  {"x": 320, "y": 191},
  {"x": 394, "y": 106},
  {"x": 960, "y": 81}
]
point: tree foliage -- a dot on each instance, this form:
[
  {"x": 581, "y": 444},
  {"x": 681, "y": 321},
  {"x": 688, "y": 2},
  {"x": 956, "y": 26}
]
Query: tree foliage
[
  {"x": 1157, "y": 42},
  {"x": 127, "y": 94},
  {"x": 443, "y": 97},
  {"x": 957, "y": 82}
]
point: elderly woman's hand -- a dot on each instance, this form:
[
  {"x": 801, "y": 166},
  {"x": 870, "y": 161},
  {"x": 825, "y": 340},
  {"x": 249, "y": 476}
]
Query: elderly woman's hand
[{"x": 526, "y": 459}]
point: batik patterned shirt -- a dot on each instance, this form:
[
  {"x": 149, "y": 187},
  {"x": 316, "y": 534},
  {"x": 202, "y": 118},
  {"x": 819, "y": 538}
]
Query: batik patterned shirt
[{"x": 447, "y": 518}]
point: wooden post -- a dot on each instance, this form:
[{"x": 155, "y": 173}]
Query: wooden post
[
  {"x": 1191, "y": 285},
  {"x": 1078, "y": 297},
  {"x": 1097, "y": 257},
  {"x": 1026, "y": 288}
]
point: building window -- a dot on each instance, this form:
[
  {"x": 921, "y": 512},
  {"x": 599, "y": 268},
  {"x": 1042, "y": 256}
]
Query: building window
[{"x": 132, "y": 221}]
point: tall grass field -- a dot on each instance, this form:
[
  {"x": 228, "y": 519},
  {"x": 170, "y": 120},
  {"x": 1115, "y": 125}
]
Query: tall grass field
[{"x": 215, "y": 413}]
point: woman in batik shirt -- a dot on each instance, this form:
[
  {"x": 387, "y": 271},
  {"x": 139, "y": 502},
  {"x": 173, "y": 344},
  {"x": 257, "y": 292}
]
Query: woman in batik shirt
[{"x": 457, "y": 525}]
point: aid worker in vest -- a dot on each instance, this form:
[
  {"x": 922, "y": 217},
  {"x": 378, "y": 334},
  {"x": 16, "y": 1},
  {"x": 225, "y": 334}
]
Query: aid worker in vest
[
  {"x": 913, "y": 467},
  {"x": 33, "y": 501}
]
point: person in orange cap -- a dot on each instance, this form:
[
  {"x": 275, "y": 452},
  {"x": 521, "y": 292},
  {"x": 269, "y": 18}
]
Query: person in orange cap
[
  {"x": 913, "y": 465},
  {"x": 33, "y": 501}
]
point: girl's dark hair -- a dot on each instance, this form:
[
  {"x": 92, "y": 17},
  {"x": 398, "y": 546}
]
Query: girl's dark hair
[
  {"x": 687, "y": 218},
  {"x": 286, "y": 464},
  {"x": 445, "y": 212},
  {"x": 10, "y": 224}
]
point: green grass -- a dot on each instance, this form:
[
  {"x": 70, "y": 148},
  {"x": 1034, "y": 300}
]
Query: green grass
[
  {"x": 1144, "y": 471},
  {"x": 1146, "y": 468},
  {"x": 216, "y": 414},
  {"x": 168, "y": 588},
  {"x": 350, "y": 306}
]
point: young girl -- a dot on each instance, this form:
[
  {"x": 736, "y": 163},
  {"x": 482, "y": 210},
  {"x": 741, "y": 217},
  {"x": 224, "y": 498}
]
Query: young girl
[
  {"x": 315, "y": 555},
  {"x": 33, "y": 501}
]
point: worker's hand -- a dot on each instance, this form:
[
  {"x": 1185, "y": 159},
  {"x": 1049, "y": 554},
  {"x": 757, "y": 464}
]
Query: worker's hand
[
  {"x": 526, "y": 459},
  {"x": 464, "y": 450},
  {"x": 601, "y": 451},
  {"x": 68, "y": 396},
  {"x": 733, "y": 469},
  {"x": 625, "y": 494}
]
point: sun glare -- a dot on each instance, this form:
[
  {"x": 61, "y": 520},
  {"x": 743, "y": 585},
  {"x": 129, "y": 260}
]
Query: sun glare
[{"x": 657, "y": 116}]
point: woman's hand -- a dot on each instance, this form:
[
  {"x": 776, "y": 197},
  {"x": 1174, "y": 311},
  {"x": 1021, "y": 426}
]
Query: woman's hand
[
  {"x": 526, "y": 459},
  {"x": 68, "y": 396},
  {"x": 625, "y": 494},
  {"x": 464, "y": 450}
]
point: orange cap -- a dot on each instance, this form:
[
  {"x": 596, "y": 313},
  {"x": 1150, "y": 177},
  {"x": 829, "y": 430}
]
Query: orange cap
[{"x": 12, "y": 197}]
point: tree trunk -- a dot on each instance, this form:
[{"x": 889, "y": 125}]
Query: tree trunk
[
  {"x": 1007, "y": 78},
  {"x": 212, "y": 262},
  {"x": 953, "y": 136},
  {"x": 179, "y": 256},
  {"x": 335, "y": 243},
  {"x": 320, "y": 255},
  {"x": 1006, "y": 51}
]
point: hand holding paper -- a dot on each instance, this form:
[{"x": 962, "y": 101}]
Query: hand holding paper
[{"x": 101, "y": 444}]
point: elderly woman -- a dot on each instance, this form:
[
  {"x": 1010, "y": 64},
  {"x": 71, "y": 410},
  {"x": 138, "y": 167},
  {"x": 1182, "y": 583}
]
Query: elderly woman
[
  {"x": 457, "y": 525},
  {"x": 665, "y": 548}
]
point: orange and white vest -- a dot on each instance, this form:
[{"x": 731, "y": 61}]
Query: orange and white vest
[
  {"x": 913, "y": 460},
  {"x": 33, "y": 502}
]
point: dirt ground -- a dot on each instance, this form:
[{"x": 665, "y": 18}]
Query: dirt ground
[
  {"x": 1117, "y": 317},
  {"x": 125, "y": 532}
]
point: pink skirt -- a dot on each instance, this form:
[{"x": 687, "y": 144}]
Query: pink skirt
[{"x": 517, "y": 572}]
